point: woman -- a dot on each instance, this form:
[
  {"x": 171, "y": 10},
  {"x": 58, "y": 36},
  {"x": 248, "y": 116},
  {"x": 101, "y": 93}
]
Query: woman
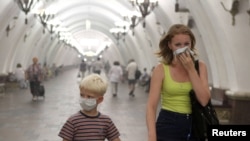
[
  {"x": 171, "y": 81},
  {"x": 20, "y": 76},
  {"x": 34, "y": 74},
  {"x": 115, "y": 76}
]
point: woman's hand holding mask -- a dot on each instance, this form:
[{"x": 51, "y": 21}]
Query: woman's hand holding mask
[{"x": 186, "y": 60}]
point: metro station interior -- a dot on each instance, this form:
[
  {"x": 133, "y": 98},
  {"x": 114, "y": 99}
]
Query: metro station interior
[{"x": 65, "y": 32}]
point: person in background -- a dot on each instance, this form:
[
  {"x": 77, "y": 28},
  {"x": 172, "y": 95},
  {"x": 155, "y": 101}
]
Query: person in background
[
  {"x": 171, "y": 82},
  {"x": 53, "y": 70},
  {"x": 34, "y": 74},
  {"x": 144, "y": 77},
  {"x": 115, "y": 76},
  {"x": 98, "y": 66},
  {"x": 83, "y": 68},
  {"x": 131, "y": 69},
  {"x": 107, "y": 67},
  {"x": 89, "y": 66},
  {"x": 90, "y": 124},
  {"x": 147, "y": 85},
  {"x": 45, "y": 72},
  {"x": 20, "y": 76}
]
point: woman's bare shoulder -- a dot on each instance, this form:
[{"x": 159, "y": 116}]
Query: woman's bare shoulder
[
  {"x": 159, "y": 66},
  {"x": 202, "y": 64},
  {"x": 159, "y": 69}
]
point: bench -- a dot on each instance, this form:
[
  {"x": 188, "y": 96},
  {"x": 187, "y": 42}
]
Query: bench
[{"x": 221, "y": 103}]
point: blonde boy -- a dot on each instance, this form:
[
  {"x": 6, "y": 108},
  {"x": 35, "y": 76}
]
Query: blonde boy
[{"x": 89, "y": 123}]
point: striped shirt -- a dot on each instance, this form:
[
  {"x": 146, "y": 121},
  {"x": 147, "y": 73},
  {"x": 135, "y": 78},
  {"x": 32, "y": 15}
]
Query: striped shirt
[{"x": 81, "y": 127}]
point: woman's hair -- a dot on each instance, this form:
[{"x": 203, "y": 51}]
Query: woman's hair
[
  {"x": 35, "y": 59},
  {"x": 94, "y": 83},
  {"x": 165, "y": 52}
]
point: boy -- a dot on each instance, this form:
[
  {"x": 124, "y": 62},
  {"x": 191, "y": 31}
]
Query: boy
[{"x": 89, "y": 123}]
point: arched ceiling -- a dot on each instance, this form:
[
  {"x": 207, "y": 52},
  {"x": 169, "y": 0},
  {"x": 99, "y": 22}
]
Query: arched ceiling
[
  {"x": 221, "y": 44},
  {"x": 88, "y": 21}
]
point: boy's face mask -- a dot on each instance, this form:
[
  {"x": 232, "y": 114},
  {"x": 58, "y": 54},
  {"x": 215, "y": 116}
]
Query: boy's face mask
[{"x": 88, "y": 104}]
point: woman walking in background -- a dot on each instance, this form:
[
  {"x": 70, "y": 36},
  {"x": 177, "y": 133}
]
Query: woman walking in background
[
  {"x": 34, "y": 74},
  {"x": 115, "y": 76},
  {"x": 20, "y": 76}
]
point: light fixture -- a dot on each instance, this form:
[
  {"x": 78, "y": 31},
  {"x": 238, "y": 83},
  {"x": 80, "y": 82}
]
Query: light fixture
[
  {"x": 11, "y": 25},
  {"x": 25, "y": 6},
  {"x": 44, "y": 17},
  {"x": 123, "y": 27},
  {"x": 234, "y": 9},
  {"x": 120, "y": 30},
  {"x": 160, "y": 29},
  {"x": 133, "y": 24},
  {"x": 53, "y": 25},
  {"x": 118, "y": 33},
  {"x": 132, "y": 18},
  {"x": 178, "y": 9},
  {"x": 87, "y": 24},
  {"x": 52, "y": 29},
  {"x": 26, "y": 35},
  {"x": 145, "y": 7},
  {"x": 8, "y": 29}
]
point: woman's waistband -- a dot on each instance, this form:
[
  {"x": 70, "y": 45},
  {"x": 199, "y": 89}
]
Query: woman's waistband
[{"x": 175, "y": 113}]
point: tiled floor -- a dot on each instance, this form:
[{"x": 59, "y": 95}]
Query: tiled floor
[{"x": 24, "y": 120}]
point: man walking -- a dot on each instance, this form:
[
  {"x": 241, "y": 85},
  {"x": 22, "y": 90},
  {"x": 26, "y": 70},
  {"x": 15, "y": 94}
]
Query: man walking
[
  {"x": 83, "y": 67},
  {"x": 131, "y": 69}
]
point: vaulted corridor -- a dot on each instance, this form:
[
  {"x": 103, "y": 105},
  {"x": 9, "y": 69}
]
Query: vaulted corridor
[{"x": 26, "y": 120}]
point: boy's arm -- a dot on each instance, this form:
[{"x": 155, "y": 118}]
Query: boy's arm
[
  {"x": 116, "y": 139},
  {"x": 65, "y": 140}
]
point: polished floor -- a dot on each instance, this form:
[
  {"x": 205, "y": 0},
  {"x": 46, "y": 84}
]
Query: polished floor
[{"x": 22, "y": 119}]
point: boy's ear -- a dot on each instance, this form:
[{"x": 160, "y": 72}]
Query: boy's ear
[{"x": 100, "y": 99}]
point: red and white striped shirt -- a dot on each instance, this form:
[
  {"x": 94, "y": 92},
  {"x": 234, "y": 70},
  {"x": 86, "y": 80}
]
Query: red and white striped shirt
[{"x": 81, "y": 127}]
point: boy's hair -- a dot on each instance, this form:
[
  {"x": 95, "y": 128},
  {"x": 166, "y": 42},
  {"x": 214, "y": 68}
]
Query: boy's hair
[{"x": 94, "y": 83}]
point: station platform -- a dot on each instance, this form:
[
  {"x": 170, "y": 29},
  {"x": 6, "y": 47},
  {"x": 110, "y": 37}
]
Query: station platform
[{"x": 25, "y": 120}]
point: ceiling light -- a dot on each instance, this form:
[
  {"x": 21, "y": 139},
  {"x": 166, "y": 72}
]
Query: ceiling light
[{"x": 25, "y": 6}]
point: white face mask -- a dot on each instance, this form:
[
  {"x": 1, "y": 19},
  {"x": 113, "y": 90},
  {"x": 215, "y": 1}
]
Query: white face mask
[
  {"x": 181, "y": 50},
  {"x": 88, "y": 103}
]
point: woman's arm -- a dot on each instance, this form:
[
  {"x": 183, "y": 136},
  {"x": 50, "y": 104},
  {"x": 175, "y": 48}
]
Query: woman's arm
[
  {"x": 200, "y": 84},
  {"x": 153, "y": 100},
  {"x": 199, "y": 81}
]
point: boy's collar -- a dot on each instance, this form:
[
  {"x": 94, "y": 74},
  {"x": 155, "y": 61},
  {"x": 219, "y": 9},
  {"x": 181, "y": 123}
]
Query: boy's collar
[{"x": 90, "y": 116}]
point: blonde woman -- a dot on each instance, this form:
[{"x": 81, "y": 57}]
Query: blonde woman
[{"x": 171, "y": 81}]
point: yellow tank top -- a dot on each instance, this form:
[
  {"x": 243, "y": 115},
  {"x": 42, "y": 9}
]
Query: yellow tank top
[{"x": 175, "y": 95}]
